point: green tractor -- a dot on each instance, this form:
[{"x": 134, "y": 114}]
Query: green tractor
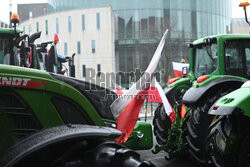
[
  {"x": 217, "y": 66},
  {"x": 51, "y": 61},
  {"x": 229, "y": 135},
  {"x": 168, "y": 134},
  {"x": 49, "y": 119},
  {"x": 21, "y": 50},
  {"x": 220, "y": 68}
]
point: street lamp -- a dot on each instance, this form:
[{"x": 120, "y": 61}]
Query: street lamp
[{"x": 244, "y": 4}]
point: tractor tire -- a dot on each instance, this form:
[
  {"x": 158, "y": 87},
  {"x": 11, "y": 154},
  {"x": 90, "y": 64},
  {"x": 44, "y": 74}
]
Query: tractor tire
[
  {"x": 197, "y": 121},
  {"x": 162, "y": 124},
  {"x": 229, "y": 142},
  {"x": 112, "y": 155},
  {"x": 87, "y": 153}
]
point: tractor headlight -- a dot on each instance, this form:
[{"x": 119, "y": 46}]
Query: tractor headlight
[{"x": 221, "y": 143}]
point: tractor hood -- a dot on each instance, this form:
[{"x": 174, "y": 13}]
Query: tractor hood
[
  {"x": 13, "y": 76},
  {"x": 101, "y": 98},
  {"x": 7, "y": 69},
  {"x": 9, "y": 31}
]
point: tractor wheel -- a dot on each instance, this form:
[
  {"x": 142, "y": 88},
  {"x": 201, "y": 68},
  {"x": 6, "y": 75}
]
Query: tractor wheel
[
  {"x": 197, "y": 121},
  {"x": 229, "y": 142},
  {"x": 162, "y": 123}
]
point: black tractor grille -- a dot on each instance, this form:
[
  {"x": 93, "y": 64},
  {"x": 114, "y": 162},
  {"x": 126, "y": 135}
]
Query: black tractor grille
[{"x": 21, "y": 119}]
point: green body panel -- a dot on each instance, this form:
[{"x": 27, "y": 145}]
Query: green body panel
[
  {"x": 239, "y": 98},
  {"x": 141, "y": 137},
  {"x": 44, "y": 111},
  {"x": 182, "y": 83}
]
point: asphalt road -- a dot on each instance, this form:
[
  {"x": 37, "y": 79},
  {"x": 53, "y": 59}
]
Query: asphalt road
[{"x": 159, "y": 159}]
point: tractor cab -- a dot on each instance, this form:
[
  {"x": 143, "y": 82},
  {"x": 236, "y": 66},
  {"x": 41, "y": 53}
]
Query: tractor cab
[
  {"x": 237, "y": 57},
  {"x": 8, "y": 47},
  {"x": 205, "y": 57},
  {"x": 17, "y": 49},
  {"x": 51, "y": 61},
  {"x": 222, "y": 55}
]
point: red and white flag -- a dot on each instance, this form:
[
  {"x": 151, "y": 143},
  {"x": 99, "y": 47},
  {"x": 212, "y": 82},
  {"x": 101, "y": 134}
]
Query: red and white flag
[
  {"x": 126, "y": 108},
  {"x": 178, "y": 67},
  {"x": 156, "y": 94},
  {"x": 167, "y": 106},
  {"x": 118, "y": 89}
]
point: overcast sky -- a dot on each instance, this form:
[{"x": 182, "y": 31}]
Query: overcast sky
[{"x": 4, "y": 8}]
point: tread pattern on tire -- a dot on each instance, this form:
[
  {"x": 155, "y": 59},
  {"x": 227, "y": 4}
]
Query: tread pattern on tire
[
  {"x": 233, "y": 132},
  {"x": 161, "y": 123},
  {"x": 197, "y": 121}
]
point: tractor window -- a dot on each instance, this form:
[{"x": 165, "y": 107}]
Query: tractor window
[
  {"x": 4, "y": 51},
  {"x": 205, "y": 60},
  {"x": 247, "y": 51},
  {"x": 237, "y": 56}
]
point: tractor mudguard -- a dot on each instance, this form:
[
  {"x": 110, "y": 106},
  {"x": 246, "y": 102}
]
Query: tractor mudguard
[
  {"x": 171, "y": 94},
  {"x": 223, "y": 110},
  {"x": 236, "y": 102},
  {"x": 51, "y": 136},
  {"x": 194, "y": 94}
]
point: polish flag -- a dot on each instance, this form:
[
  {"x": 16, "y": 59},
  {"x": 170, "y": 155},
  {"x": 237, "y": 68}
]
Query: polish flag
[
  {"x": 160, "y": 97},
  {"x": 178, "y": 67},
  {"x": 126, "y": 108},
  {"x": 155, "y": 94},
  {"x": 118, "y": 89}
]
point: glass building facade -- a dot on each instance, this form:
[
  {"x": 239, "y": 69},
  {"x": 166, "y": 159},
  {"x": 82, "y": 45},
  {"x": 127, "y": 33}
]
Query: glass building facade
[{"x": 141, "y": 23}]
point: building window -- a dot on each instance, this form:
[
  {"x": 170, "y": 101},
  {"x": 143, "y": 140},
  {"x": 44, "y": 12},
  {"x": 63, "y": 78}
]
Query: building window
[
  {"x": 83, "y": 22},
  {"x": 69, "y": 23},
  {"x": 98, "y": 20},
  {"x": 65, "y": 49},
  {"x": 78, "y": 47},
  {"x": 37, "y": 26},
  {"x": 46, "y": 27},
  {"x": 98, "y": 70},
  {"x": 93, "y": 46},
  {"x": 57, "y": 25},
  {"x": 83, "y": 71}
]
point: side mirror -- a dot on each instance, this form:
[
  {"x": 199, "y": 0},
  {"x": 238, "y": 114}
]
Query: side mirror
[
  {"x": 141, "y": 137},
  {"x": 53, "y": 54},
  {"x": 24, "y": 50},
  {"x": 184, "y": 71}
]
